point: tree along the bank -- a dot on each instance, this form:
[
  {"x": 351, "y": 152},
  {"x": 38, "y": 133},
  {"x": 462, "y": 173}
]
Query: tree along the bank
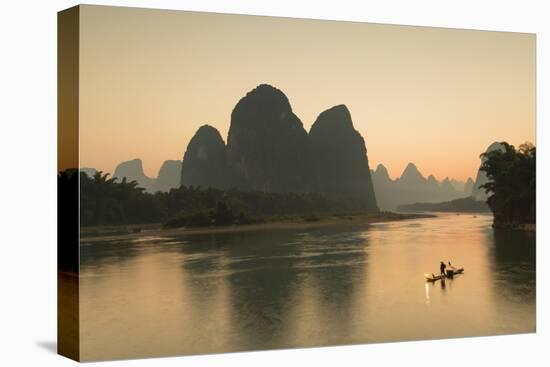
[
  {"x": 106, "y": 201},
  {"x": 512, "y": 184}
]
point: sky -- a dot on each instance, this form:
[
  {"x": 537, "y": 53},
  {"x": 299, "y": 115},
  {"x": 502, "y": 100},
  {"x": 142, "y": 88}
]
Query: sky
[{"x": 432, "y": 96}]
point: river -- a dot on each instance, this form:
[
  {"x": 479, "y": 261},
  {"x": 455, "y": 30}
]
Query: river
[{"x": 272, "y": 289}]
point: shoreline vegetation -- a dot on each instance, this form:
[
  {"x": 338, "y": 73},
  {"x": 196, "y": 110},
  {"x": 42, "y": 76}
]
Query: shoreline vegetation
[
  {"x": 133, "y": 231},
  {"x": 529, "y": 227},
  {"x": 105, "y": 202},
  {"x": 511, "y": 185},
  {"x": 463, "y": 205},
  {"x": 509, "y": 188}
]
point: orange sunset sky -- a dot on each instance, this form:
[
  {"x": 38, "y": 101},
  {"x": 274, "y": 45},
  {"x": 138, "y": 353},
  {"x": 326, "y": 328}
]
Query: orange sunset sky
[{"x": 436, "y": 97}]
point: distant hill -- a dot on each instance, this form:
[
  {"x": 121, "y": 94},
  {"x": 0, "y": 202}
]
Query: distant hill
[
  {"x": 458, "y": 185},
  {"x": 89, "y": 171},
  {"x": 467, "y": 205},
  {"x": 469, "y": 186},
  {"x": 411, "y": 177},
  {"x": 412, "y": 187},
  {"x": 133, "y": 171},
  {"x": 168, "y": 176}
]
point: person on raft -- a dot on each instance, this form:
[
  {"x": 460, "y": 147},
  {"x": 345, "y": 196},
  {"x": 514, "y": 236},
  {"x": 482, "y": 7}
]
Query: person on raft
[{"x": 442, "y": 267}]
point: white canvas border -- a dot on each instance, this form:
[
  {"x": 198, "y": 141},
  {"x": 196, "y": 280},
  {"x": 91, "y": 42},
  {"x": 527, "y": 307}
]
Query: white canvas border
[{"x": 28, "y": 151}]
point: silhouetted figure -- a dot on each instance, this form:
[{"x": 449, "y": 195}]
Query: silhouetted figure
[{"x": 442, "y": 267}]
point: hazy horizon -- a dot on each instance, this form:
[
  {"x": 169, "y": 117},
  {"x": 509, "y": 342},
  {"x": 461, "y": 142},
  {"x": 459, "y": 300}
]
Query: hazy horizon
[
  {"x": 154, "y": 174},
  {"x": 432, "y": 96}
]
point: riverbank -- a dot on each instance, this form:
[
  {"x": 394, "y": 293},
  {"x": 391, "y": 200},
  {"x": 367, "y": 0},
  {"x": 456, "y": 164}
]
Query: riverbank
[
  {"x": 123, "y": 232},
  {"x": 529, "y": 227}
]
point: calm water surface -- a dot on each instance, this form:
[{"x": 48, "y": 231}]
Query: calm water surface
[{"x": 158, "y": 296}]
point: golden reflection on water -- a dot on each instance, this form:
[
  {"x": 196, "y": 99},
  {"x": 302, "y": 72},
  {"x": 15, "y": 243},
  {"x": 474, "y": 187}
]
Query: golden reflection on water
[
  {"x": 427, "y": 293},
  {"x": 306, "y": 287}
]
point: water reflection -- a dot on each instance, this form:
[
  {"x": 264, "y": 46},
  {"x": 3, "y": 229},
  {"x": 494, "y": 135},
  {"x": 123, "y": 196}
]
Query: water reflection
[
  {"x": 427, "y": 293},
  {"x": 266, "y": 282},
  {"x": 296, "y": 288},
  {"x": 513, "y": 277}
]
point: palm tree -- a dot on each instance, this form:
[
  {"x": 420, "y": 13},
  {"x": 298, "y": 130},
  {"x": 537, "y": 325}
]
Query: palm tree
[{"x": 100, "y": 189}]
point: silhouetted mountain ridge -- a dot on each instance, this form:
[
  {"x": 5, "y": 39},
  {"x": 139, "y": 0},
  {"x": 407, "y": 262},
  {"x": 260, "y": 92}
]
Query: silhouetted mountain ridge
[
  {"x": 269, "y": 150},
  {"x": 167, "y": 178},
  {"x": 382, "y": 173},
  {"x": 204, "y": 161},
  {"x": 411, "y": 175},
  {"x": 339, "y": 157},
  {"x": 133, "y": 171},
  {"x": 412, "y": 187},
  {"x": 267, "y": 144}
]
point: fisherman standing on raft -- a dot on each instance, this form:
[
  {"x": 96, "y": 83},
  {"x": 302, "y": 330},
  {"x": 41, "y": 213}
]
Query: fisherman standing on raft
[{"x": 442, "y": 267}]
